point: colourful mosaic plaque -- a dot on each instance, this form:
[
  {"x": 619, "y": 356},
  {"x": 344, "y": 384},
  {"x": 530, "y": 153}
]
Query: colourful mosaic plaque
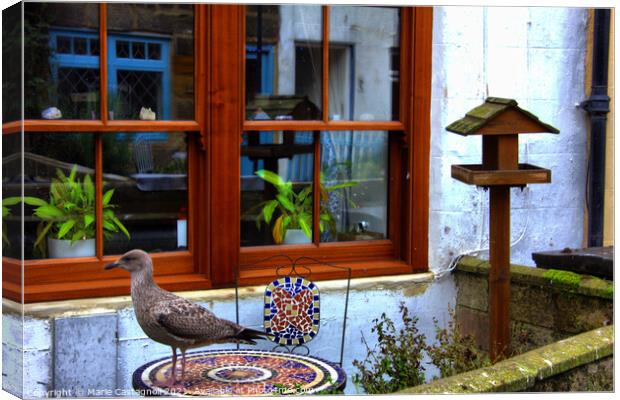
[
  {"x": 292, "y": 310},
  {"x": 241, "y": 373}
]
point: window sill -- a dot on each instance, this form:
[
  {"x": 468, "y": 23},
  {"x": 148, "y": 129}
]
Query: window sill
[
  {"x": 98, "y": 288},
  {"x": 78, "y": 307}
]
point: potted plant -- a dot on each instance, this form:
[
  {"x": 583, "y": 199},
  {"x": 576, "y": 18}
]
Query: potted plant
[
  {"x": 68, "y": 219},
  {"x": 294, "y": 222}
]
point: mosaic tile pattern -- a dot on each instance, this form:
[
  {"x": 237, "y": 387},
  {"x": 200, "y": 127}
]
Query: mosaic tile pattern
[
  {"x": 292, "y": 310},
  {"x": 241, "y": 373}
]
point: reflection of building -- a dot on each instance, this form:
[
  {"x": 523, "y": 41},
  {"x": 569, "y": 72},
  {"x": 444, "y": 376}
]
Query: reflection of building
[
  {"x": 149, "y": 65},
  {"x": 362, "y": 54},
  {"x": 138, "y": 70}
]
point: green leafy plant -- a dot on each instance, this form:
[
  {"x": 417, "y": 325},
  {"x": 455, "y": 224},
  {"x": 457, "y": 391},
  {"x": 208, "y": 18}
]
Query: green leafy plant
[
  {"x": 396, "y": 362},
  {"x": 6, "y": 211},
  {"x": 295, "y": 209},
  {"x": 453, "y": 352},
  {"x": 70, "y": 212}
]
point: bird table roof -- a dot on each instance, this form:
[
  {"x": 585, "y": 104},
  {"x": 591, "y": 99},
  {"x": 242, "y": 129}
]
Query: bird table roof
[{"x": 499, "y": 116}]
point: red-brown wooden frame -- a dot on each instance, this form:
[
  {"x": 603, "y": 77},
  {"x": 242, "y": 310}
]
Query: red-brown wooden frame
[
  {"x": 213, "y": 170},
  {"x": 416, "y": 28}
]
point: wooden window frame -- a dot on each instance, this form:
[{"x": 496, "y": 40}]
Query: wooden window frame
[
  {"x": 214, "y": 253},
  {"x": 406, "y": 250}
]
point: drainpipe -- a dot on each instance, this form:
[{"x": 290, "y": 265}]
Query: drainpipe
[{"x": 597, "y": 106}]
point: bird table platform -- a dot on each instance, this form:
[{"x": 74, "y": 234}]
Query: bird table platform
[
  {"x": 499, "y": 121},
  {"x": 242, "y": 373}
]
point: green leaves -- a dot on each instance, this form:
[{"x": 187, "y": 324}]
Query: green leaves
[
  {"x": 49, "y": 212},
  {"x": 10, "y": 201},
  {"x": 65, "y": 227},
  {"x": 89, "y": 188},
  {"x": 107, "y": 197},
  {"x": 70, "y": 212},
  {"x": 270, "y": 177},
  {"x": 269, "y": 209},
  {"x": 34, "y": 201},
  {"x": 305, "y": 223},
  {"x": 286, "y": 203},
  {"x": 296, "y": 209}
]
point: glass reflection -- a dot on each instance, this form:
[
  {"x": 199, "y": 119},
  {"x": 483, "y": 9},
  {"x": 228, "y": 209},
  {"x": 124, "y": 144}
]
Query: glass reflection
[
  {"x": 354, "y": 168},
  {"x": 151, "y": 61},
  {"x": 12, "y": 63},
  {"x": 284, "y": 62},
  {"x": 59, "y": 195},
  {"x": 11, "y": 195},
  {"x": 364, "y": 63},
  {"x": 276, "y": 188},
  {"x": 148, "y": 173},
  {"x": 61, "y": 61}
]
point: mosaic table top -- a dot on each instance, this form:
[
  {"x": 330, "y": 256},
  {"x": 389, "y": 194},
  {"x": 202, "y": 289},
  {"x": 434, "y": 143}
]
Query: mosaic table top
[{"x": 241, "y": 373}]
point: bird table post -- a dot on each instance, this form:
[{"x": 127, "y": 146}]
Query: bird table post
[{"x": 499, "y": 121}]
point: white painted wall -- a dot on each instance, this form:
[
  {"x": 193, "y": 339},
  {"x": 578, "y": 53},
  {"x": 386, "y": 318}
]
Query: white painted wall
[
  {"x": 91, "y": 347},
  {"x": 535, "y": 55}
]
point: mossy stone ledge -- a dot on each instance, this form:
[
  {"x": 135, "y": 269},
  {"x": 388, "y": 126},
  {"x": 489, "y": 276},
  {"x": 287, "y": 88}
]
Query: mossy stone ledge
[
  {"x": 524, "y": 371},
  {"x": 560, "y": 280}
]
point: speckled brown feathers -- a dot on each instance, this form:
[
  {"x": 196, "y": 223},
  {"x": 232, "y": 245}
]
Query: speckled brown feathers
[{"x": 173, "y": 320}]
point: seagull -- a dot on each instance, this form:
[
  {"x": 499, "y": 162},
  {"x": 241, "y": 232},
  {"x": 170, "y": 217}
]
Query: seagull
[{"x": 172, "y": 320}]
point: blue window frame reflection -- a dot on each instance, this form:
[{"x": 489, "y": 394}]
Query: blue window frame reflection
[{"x": 138, "y": 70}]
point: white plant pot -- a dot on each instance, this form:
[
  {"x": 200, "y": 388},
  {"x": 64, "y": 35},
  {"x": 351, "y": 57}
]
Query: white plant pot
[
  {"x": 296, "y": 236},
  {"x": 59, "y": 248}
]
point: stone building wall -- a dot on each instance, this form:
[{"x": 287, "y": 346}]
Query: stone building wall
[{"x": 535, "y": 55}]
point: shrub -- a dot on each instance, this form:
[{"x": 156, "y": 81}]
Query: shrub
[
  {"x": 395, "y": 362},
  {"x": 398, "y": 362},
  {"x": 454, "y": 353}
]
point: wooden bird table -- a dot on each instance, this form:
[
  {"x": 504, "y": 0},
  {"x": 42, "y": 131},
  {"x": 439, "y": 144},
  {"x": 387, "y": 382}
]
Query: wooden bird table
[
  {"x": 241, "y": 373},
  {"x": 499, "y": 121}
]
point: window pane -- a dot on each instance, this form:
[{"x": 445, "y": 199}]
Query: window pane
[
  {"x": 284, "y": 62},
  {"x": 137, "y": 89},
  {"x": 50, "y": 159},
  {"x": 354, "y": 166},
  {"x": 11, "y": 192},
  {"x": 94, "y": 47},
  {"x": 148, "y": 172},
  {"x": 154, "y": 51},
  {"x": 79, "y": 46},
  {"x": 364, "y": 54},
  {"x": 122, "y": 49},
  {"x": 276, "y": 188},
  {"x": 49, "y": 31},
  {"x": 63, "y": 44},
  {"x": 12, "y": 63},
  {"x": 151, "y": 61}
]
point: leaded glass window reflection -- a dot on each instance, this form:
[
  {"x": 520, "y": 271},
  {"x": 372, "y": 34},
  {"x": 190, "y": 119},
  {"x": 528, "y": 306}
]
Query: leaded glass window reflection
[
  {"x": 137, "y": 89},
  {"x": 150, "y": 61}
]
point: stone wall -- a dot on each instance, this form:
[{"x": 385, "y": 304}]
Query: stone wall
[
  {"x": 580, "y": 363},
  {"x": 545, "y": 305}
]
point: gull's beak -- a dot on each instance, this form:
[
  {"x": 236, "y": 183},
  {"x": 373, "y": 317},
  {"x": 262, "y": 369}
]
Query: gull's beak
[{"x": 111, "y": 265}]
